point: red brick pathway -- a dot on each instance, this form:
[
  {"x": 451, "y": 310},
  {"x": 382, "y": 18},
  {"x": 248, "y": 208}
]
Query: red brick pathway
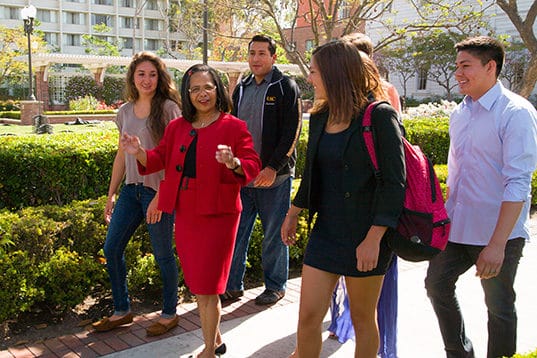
[{"x": 89, "y": 343}]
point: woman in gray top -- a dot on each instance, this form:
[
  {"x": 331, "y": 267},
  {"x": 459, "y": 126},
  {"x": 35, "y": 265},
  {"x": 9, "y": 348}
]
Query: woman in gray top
[{"x": 152, "y": 103}]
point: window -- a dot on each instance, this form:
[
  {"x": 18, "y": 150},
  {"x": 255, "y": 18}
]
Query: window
[
  {"x": 151, "y": 5},
  {"x": 309, "y": 45},
  {"x": 422, "y": 79},
  {"x": 74, "y": 18},
  {"x": 151, "y": 45},
  {"x": 127, "y": 42},
  {"x": 102, "y": 2},
  {"x": 127, "y": 3},
  {"x": 126, "y": 22},
  {"x": 151, "y": 24},
  {"x": 97, "y": 19},
  {"x": 51, "y": 38},
  {"x": 71, "y": 40},
  {"x": 344, "y": 11},
  {"x": 14, "y": 13},
  {"x": 46, "y": 16}
]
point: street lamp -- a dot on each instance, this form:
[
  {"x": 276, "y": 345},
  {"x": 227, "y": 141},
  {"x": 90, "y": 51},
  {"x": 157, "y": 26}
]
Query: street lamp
[{"x": 28, "y": 15}]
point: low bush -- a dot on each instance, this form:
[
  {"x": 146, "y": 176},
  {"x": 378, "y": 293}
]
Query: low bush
[
  {"x": 431, "y": 135},
  {"x": 55, "y": 257},
  {"x": 18, "y": 288},
  {"x": 10, "y": 114},
  {"x": 67, "y": 277},
  {"x": 55, "y": 169}
]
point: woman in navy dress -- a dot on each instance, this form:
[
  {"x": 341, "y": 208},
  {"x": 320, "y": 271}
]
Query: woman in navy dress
[{"x": 353, "y": 210}]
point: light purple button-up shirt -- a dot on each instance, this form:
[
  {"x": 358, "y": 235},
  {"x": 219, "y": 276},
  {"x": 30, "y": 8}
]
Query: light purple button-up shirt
[{"x": 492, "y": 156}]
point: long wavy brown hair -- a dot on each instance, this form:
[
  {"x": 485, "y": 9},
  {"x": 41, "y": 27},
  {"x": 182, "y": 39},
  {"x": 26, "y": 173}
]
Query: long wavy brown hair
[
  {"x": 347, "y": 79},
  {"x": 165, "y": 90}
]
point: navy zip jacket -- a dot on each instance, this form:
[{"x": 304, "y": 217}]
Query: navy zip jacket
[{"x": 282, "y": 121}]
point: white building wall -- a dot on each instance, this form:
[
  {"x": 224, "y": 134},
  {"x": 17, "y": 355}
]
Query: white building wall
[
  {"x": 405, "y": 13},
  {"x": 64, "y": 34}
]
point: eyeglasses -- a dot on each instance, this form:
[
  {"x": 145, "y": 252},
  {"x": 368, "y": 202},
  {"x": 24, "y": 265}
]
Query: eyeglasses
[{"x": 197, "y": 90}]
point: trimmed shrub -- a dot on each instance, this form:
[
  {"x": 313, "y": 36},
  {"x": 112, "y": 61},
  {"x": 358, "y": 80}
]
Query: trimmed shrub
[
  {"x": 67, "y": 278},
  {"x": 431, "y": 135},
  {"x": 145, "y": 275},
  {"x": 10, "y": 114},
  {"x": 18, "y": 289},
  {"x": 81, "y": 86},
  {"x": 57, "y": 169},
  {"x": 112, "y": 91}
]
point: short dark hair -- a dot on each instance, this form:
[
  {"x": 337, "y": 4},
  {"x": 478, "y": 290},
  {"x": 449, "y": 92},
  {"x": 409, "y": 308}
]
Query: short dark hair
[
  {"x": 223, "y": 101},
  {"x": 361, "y": 41},
  {"x": 264, "y": 38},
  {"x": 486, "y": 49}
]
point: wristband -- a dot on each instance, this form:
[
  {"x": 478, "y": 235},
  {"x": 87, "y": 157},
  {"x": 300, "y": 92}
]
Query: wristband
[{"x": 237, "y": 162}]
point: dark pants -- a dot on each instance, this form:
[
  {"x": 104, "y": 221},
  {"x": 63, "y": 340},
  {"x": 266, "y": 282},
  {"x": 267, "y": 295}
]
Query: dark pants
[{"x": 442, "y": 275}]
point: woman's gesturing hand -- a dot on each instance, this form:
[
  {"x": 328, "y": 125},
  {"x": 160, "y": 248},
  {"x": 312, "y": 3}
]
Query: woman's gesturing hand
[{"x": 130, "y": 144}]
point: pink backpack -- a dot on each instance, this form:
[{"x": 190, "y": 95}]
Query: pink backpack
[{"x": 423, "y": 228}]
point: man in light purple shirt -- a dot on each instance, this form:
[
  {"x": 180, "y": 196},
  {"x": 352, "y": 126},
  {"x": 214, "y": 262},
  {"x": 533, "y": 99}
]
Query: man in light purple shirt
[{"x": 492, "y": 156}]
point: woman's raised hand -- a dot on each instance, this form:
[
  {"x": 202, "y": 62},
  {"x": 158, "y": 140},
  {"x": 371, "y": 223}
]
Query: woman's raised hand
[{"x": 130, "y": 144}]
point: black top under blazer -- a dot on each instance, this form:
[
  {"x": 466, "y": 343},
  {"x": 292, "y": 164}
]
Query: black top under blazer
[{"x": 365, "y": 202}]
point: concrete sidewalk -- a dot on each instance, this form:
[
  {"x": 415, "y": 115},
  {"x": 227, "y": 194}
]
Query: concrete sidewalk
[{"x": 271, "y": 333}]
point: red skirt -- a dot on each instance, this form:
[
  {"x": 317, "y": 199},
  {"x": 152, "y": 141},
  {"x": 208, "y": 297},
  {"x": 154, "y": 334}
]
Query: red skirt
[{"x": 204, "y": 243}]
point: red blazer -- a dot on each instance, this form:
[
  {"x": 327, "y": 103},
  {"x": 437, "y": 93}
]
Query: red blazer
[{"x": 219, "y": 186}]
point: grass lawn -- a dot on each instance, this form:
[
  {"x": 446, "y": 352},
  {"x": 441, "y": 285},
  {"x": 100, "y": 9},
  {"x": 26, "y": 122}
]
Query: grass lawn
[{"x": 15, "y": 129}]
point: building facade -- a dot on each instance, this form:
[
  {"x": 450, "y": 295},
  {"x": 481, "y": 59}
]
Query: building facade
[{"x": 135, "y": 25}]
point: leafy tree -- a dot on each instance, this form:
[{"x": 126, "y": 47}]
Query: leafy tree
[
  {"x": 525, "y": 28},
  {"x": 13, "y": 44},
  {"x": 82, "y": 86},
  {"x": 187, "y": 18},
  {"x": 516, "y": 63},
  {"x": 100, "y": 44},
  {"x": 112, "y": 90},
  {"x": 397, "y": 59},
  {"x": 434, "y": 52},
  {"x": 330, "y": 19}
]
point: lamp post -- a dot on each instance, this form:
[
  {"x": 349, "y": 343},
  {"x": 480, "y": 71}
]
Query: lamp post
[{"x": 28, "y": 15}]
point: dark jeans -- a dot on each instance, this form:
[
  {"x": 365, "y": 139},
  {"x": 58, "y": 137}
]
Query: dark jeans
[
  {"x": 271, "y": 205},
  {"x": 442, "y": 275},
  {"x": 129, "y": 212}
]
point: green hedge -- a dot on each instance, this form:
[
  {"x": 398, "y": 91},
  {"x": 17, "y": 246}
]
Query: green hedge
[
  {"x": 431, "y": 135},
  {"x": 55, "y": 169},
  {"x": 11, "y": 114},
  {"x": 52, "y": 255}
]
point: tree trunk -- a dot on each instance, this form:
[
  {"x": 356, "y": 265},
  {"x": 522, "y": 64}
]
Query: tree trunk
[{"x": 529, "y": 80}]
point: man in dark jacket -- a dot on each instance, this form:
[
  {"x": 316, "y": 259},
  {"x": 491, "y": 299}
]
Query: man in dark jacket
[{"x": 269, "y": 102}]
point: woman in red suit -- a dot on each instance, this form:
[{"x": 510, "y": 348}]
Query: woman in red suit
[{"x": 207, "y": 155}]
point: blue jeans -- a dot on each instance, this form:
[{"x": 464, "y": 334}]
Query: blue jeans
[
  {"x": 129, "y": 212},
  {"x": 442, "y": 275},
  {"x": 271, "y": 205}
]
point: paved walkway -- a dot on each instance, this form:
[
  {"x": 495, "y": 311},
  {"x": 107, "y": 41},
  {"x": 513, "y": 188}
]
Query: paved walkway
[{"x": 263, "y": 332}]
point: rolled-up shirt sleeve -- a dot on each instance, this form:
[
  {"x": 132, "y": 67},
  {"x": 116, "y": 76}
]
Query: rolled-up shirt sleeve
[{"x": 520, "y": 155}]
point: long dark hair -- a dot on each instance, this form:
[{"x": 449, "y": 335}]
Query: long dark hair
[
  {"x": 223, "y": 102},
  {"x": 346, "y": 79},
  {"x": 165, "y": 90}
]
